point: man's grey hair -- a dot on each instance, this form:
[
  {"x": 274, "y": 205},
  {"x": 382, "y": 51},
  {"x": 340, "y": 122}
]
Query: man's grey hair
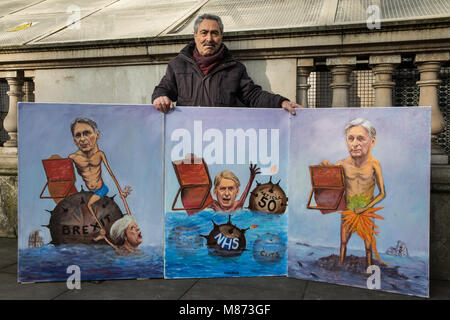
[
  {"x": 90, "y": 122},
  {"x": 362, "y": 122},
  {"x": 208, "y": 16},
  {"x": 117, "y": 231}
]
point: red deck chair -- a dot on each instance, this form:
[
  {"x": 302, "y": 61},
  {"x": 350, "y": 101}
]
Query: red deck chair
[
  {"x": 328, "y": 188},
  {"x": 60, "y": 178},
  {"x": 195, "y": 184}
]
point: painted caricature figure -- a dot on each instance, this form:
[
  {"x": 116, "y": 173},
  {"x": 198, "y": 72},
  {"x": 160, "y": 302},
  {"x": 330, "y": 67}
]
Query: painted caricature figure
[
  {"x": 88, "y": 159},
  {"x": 361, "y": 174}
]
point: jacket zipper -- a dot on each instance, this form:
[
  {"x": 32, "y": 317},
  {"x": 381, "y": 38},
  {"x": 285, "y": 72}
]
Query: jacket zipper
[{"x": 202, "y": 76}]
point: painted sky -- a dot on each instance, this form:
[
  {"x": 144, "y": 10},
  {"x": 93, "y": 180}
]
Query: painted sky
[
  {"x": 131, "y": 138},
  {"x": 403, "y": 150}
]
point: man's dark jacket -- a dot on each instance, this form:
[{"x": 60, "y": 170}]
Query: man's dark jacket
[{"x": 226, "y": 85}]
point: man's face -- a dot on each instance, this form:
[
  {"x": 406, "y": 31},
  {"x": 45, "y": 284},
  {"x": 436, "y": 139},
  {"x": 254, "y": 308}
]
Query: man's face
[
  {"x": 85, "y": 137},
  {"x": 208, "y": 37},
  {"x": 359, "y": 143},
  {"x": 133, "y": 234},
  {"x": 226, "y": 193}
]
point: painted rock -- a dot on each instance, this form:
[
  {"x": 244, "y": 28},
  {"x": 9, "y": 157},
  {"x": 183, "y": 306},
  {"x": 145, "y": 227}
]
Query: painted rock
[
  {"x": 226, "y": 239},
  {"x": 72, "y": 223},
  {"x": 268, "y": 248},
  {"x": 268, "y": 197}
]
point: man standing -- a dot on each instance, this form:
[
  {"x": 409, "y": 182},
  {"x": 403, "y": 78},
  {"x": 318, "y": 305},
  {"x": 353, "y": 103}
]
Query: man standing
[
  {"x": 205, "y": 74},
  {"x": 361, "y": 173}
]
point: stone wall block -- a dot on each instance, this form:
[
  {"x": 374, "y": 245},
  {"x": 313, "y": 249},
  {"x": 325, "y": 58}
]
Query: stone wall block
[
  {"x": 8, "y": 207},
  {"x": 440, "y": 236}
]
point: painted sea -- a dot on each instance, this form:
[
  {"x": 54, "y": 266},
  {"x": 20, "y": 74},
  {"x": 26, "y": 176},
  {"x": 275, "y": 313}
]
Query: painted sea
[
  {"x": 402, "y": 274},
  {"x": 188, "y": 256},
  {"x": 96, "y": 262}
]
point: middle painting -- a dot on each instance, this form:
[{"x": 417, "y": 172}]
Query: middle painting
[{"x": 226, "y": 201}]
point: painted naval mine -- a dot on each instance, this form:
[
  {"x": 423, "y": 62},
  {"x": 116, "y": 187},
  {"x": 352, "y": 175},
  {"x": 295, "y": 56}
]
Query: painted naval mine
[
  {"x": 268, "y": 197},
  {"x": 72, "y": 223},
  {"x": 268, "y": 248},
  {"x": 227, "y": 239}
]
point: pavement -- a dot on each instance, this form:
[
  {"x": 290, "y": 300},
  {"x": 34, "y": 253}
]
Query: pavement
[{"x": 255, "y": 288}]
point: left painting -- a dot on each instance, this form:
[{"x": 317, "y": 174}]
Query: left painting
[{"x": 90, "y": 192}]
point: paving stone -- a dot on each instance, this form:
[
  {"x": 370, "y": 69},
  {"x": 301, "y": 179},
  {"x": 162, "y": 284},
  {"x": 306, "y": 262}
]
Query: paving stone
[
  {"x": 11, "y": 269},
  {"x": 439, "y": 290},
  {"x": 326, "y": 291},
  {"x": 11, "y": 289},
  {"x": 210, "y": 289},
  {"x": 152, "y": 289},
  {"x": 259, "y": 288},
  {"x": 440, "y": 236},
  {"x": 8, "y": 252}
]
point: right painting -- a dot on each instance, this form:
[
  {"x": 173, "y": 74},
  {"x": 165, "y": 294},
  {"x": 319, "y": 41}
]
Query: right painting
[{"x": 359, "y": 197}]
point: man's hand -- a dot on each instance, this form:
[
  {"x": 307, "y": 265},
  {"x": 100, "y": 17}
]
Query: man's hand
[
  {"x": 163, "y": 104},
  {"x": 290, "y": 106},
  {"x": 254, "y": 170},
  {"x": 326, "y": 163}
]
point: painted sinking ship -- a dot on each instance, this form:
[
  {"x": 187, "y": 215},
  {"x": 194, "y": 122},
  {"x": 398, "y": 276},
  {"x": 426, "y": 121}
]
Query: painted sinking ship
[
  {"x": 35, "y": 240},
  {"x": 399, "y": 250},
  {"x": 71, "y": 221}
]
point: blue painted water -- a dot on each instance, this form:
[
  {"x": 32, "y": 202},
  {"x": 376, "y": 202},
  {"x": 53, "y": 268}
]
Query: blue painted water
[
  {"x": 96, "y": 262},
  {"x": 302, "y": 263},
  {"x": 187, "y": 255}
]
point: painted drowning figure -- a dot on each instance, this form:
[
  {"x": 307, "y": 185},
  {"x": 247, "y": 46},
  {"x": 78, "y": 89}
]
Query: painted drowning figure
[{"x": 226, "y": 189}]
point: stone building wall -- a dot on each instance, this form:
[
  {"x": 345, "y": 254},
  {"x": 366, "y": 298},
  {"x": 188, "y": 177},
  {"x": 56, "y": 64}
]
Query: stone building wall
[
  {"x": 8, "y": 206},
  {"x": 127, "y": 71}
]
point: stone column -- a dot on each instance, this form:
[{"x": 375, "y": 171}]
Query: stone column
[
  {"x": 304, "y": 68},
  {"x": 323, "y": 95},
  {"x": 29, "y": 86},
  {"x": 429, "y": 65},
  {"x": 341, "y": 69},
  {"x": 383, "y": 67},
  {"x": 15, "y": 81},
  {"x": 8, "y": 157}
]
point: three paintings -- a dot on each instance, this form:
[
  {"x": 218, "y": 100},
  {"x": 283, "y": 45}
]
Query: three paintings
[{"x": 123, "y": 191}]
